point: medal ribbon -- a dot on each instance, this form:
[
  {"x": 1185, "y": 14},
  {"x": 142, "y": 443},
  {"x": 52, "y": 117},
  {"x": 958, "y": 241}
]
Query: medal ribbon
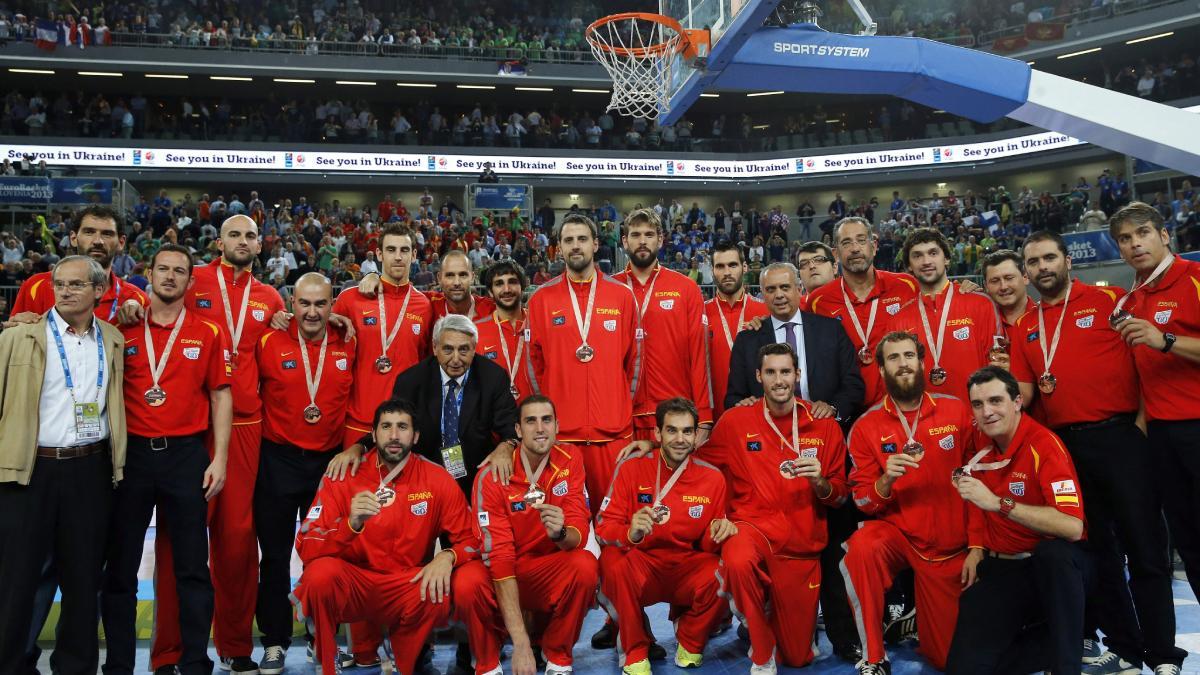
[
  {"x": 388, "y": 338},
  {"x": 393, "y": 473},
  {"x": 741, "y": 318},
  {"x": 1158, "y": 272},
  {"x": 795, "y": 428},
  {"x": 311, "y": 381},
  {"x": 584, "y": 325},
  {"x": 112, "y": 310},
  {"x": 649, "y": 293},
  {"x": 935, "y": 348},
  {"x": 661, "y": 490},
  {"x": 157, "y": 367},
  {"x": 864, "y": 336},
  {"x": 911, "y": 432},
  {"x": 533, "y": 476},
  {"x": 1048, "y": 356},
  {"x": 235, "y": 332},
  {"x": 511, "y": 364},
  {"x": 974, "y": 464}
]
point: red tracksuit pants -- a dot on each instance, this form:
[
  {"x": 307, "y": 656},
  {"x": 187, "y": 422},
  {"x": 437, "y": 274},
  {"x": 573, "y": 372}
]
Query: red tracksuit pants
[
  {"x": 776, "y": 597},
  {"x": 634, "y": 579},
  {"x": 332, "y": 591},
  {"x": 233, "y": 560},
  {"x": 600, "y": 463},
  {"x": 874, "y": 555},
  {"x": 560, "y": 585}
]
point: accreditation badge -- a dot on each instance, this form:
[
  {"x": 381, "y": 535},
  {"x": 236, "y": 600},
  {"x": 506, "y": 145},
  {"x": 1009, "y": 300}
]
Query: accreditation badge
[
  {"x": 87, "y": 421},
  {"x": 452, "y": 459}
]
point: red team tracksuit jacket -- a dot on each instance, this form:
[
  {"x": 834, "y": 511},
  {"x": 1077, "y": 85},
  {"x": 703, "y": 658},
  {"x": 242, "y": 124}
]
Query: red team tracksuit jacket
[
  {"x": 557, "y": 585},
  {"x": 674, "y": 346},
  {"x": 366, "y": 576},
  {"x": 493, "y": 329},
  {"x": 37, "y": 295},
  {"x": 234, "y": 547},
  {"x": 594, "y": 399},
  {"x": 676, "y": 563},
  {"x": 721, "y": 347},
  {"x": 774, "y": 557},
  {"x": 922, "y": 525}
]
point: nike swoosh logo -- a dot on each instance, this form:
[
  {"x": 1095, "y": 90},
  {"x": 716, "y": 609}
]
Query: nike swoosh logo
[
  {"x": 814, "y": 586},
  {"x": 287, "y": 353},
  {"x": 489, "y": 348},
  {"x": 643, "y": 487},
  {"x": 751, "y": 435},
  {"x": 884, "y": 438},
  {"x": 367, "y": 311},
  {"x": 200, "y": 294},
  {"x": 556, "y": 312}
]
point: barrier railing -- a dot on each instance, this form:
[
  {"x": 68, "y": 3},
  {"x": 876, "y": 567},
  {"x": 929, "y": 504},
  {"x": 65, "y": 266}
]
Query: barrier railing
[{"x": 1077, "y": 18}]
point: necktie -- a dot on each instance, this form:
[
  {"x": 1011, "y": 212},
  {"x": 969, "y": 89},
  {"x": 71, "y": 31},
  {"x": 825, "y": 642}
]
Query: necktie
[
  {"x": 450, "y": 416},
  {"x": 790, "y": 335}
]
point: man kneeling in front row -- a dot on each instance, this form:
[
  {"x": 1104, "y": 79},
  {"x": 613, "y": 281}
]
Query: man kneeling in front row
[{"x": 366, "y": 543}]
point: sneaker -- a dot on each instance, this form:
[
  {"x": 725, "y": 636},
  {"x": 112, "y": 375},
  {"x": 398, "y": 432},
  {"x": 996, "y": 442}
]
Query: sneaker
[
  {"x": 767, "y": 668},
  {"x": 1166, "y": 669},
  {"x": 1091, "y": 651},
  {"x": 640, "y": 668},
  {"x": 273, "y": 658},
  {"x": 901, "y": 628},
  {"x": 166, "y": 670},
  {"x": 883, "y": 667},
  {"x": 657, "y": 652},
  {"x": 686, "y": 659},
  {"x": 555, "y": 669},
  {"x": 1111, "y": 664},
  {"x": 743, "y": 633},
  {"x": 238, "y": 665},
  {"x": 606, "y": 637},
  {"x": 343, "y": 660}
]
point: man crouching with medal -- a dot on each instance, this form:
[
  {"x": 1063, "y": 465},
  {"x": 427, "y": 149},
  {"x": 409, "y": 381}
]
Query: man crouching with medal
[{"x": 367, "y": 540}]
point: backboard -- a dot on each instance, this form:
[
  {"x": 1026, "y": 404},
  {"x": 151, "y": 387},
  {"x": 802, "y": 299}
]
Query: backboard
[{"x": 729, "y": 22}]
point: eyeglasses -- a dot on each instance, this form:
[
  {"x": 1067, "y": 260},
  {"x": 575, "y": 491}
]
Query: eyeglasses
[
  {"x": 815, "y": 260},
  {"x": 73, "y": 286}
]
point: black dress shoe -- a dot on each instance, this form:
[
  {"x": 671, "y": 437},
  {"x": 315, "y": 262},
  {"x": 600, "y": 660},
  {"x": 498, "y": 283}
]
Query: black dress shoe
[
  {"x": 606, "y": 637},
  {"x": 657, "y": 652},
  {"x": 743, "y": 633},
  {"x": 851, "y": 653}
]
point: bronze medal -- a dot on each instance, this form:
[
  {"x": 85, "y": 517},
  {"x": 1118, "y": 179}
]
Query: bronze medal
[
  {"x": 1047, "y": 383},
  {"x": 516, "y": 393},
  {"x": 383, "y": 364},
  {"x": 585, "y": 353},
  {"x": 788, "y": 469},
  {"x": 312, "y": 414},
  {"x": 660, "y": 514},
  {"x": 865, "y": 356},
  {"x": 937, "y": 376},
  {"x": 534, "y": 497},
  {"x": 155, "y": 396},
  {"x": 1119, "y": 317},
  {"x": 958, "y": 474},
  {"x": 385, "y": 495},
  {"x": 913, "y": 449}
]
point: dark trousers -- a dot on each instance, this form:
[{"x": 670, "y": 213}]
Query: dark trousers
[
  {"x": 170, "y": 478},
  {"x": 64, "y": 513},
  {"x": 835, "y": 603},
  {"x": 1175, "y": 447},
  {"x": 1124, "y": 517},
  {"x": 43, "y": 602},
  {"x": 288, "y": 478},
  {"x": 1025, "y": 615}
]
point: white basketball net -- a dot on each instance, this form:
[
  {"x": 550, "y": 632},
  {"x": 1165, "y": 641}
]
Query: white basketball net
[{"x": 637, "y": 53}]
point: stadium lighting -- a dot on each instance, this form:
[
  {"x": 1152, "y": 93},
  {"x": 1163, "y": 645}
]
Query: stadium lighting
[
  {"x": 710, "y": 96},
  {"x": 763, "y": 93},
  {"x": 165, "y": 76},
  {"x": 356, "y": 83},
  {"x": 30, "y": 71},
  {"x": 475, "y": 86},
  {"x": 534, "y": 88},
  {"x": 98, "y": 73},
  {"x": 289, "y": 80},
  {"x": 416, "y": 84},
  {"x": 590, "y": 91},
  {"x": 1149, "y": 38},
  {"x": 1080, "y": 53},
  {"x": 230, "y": 78}
]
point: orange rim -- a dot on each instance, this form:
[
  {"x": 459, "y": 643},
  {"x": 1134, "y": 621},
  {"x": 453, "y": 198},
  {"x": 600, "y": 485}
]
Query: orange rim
[{"x": 686, "y": 41}]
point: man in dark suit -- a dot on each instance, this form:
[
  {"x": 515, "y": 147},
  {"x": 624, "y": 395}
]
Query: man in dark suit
[
  {"x": 829, "y": 372},
  {"x": 830, "y": 378}
]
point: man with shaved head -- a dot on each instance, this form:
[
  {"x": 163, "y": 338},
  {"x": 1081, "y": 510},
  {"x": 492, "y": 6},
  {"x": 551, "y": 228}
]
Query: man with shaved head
[
  {"x": 454, "y": 278},
  {"x": 305, "y": 373}
]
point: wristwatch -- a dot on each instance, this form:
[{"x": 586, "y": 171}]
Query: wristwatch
[
  {"x": 562, "y": 534},
  {"x": 1168, "y": 342},
  {"x": 1007, "y": 504}
]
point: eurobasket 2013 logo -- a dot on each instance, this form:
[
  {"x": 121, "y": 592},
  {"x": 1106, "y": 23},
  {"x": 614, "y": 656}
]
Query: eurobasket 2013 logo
[
  {"x": 674, "y": 167},
  {"x": 142, "y": 156},
  {"x": 293, "y": 159},
  {"x": 803, "y": 165},
  {"x": 937, "y": 155},
  {"x": 799, "y": 166}
]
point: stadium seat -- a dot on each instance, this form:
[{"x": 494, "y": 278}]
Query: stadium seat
[
  {"x": 948, "y": 130},
  {"x": 860, "y": 137},
  {"x": 932, "y": 131},
  {"x": 965, "y": 128}
]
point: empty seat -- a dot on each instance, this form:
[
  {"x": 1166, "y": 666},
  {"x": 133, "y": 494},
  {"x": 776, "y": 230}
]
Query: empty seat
[{"x": 932, "y": 131}]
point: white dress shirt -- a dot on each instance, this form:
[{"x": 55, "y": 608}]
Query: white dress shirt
[
  {"x": 56, "y": 409},
  {"x": 781, "y": 336}
]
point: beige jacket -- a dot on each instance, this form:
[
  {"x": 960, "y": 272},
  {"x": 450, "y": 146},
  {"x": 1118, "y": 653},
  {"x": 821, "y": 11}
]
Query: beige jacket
[{"x": 22, "y": 367}]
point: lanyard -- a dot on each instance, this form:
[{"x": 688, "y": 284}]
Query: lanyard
[
  {"x": 936, "y": 346},
  {"x": 533, "y": 476},
  {"x": 911, "y": 432},
  {"x": 158, "y": 366},
  {"x": 583, "y": 324},
  {"x": 62, "y": 357},
  {"x": 1158, "y": 272},
  {"x": 393, "y": 473},
  {"x": 313, "y": 381},
  {"x": 384, "y": 335},
  {"x": 1048, "y": 356},
  {"x": 662, "y": 490},
  {"x": 795, "y": 428},
  {"x": 741, "y": 318},
  {"x": 510, "y": 363},
  {"x": 864, "y": 336},
  {"x": 112, "y": 310},
  {"x": 649, "y": 293},
  {"x": 235, "y": 332}
]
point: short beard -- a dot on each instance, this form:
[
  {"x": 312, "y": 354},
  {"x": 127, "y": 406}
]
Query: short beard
[
  {"x": 387, "y": 457},
  {"x": 231, "y": 258},
  {"x": 580, "y": 267}
]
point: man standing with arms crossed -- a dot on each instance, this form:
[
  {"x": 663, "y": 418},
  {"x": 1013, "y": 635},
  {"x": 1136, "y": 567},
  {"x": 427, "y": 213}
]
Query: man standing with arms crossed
[
  {"x": 672, "y": 326},
  {"x": 728, "y": 311},
  {"x": 532, "y": 533},
  {"x": 306, "y": 373},
  {"x": 584, "y": 352},
  {"x": 176, "y": 387}
]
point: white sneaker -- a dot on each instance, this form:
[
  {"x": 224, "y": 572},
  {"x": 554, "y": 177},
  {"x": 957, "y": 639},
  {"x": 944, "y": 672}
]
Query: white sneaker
[
  {"x": 272, "y": 661},
  {"x": 555, "y": 669},
  {"x": 1166, "y": 669},
  {"x": 1111, "y": 664},
  {"x": 767, "y": 668}
]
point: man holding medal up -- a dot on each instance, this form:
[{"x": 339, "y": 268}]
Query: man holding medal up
[
  {"x": 584, "y": 354},
  {"x": 784, "y": 467},
  {"x": 177, "y": 386},
  {"x": 661, "y": 525},
  {"x": 532, "y": 532},
  {"x": 306, "y": 374},
  {"x": 368, "y": 540}
]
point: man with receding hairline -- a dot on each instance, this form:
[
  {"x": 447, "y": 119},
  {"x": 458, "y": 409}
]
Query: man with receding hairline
[{"x": 454, "y": 277}]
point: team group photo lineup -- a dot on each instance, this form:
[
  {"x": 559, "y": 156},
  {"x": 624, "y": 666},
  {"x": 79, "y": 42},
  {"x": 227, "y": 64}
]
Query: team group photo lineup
[{"x": 529, "y": 380}]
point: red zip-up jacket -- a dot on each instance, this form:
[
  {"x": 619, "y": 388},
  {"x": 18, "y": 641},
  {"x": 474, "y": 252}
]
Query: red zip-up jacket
[
  {"x": 675, "y": 344},
  {"x": 37, "y": 295},
  {"x": 428, "y": 503},
  {"x": 483, "y": 306},
  {"x": 923, "y": 504},
  {"x": 721, "y": 349},
  {"x": 696, "y": 499},
  {"x": 493, "y": 329},
  {"x": 594, "y": 399},
  {"x": 285, "y": 389},
  {"x": 508, "y": 529},
  {"x": 749, "y": 451}
]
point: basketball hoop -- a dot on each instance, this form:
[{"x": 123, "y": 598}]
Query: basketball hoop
[{"x": 638, "y": 50}]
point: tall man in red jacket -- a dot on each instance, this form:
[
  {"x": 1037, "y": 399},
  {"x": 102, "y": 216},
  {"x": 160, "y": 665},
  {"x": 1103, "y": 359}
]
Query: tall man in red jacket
[
  {"x": 673, "y": 329},
  {"x": 584, "y": 353},
  {"x": 532, "y": 532},
  {"x": 661, "y": 525},
  {"x": 367, "y": 540},
  {"x": 904, "y": 451},
  {"x": 728, "y": 311},
  {"x": 783, "y": 467}
]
